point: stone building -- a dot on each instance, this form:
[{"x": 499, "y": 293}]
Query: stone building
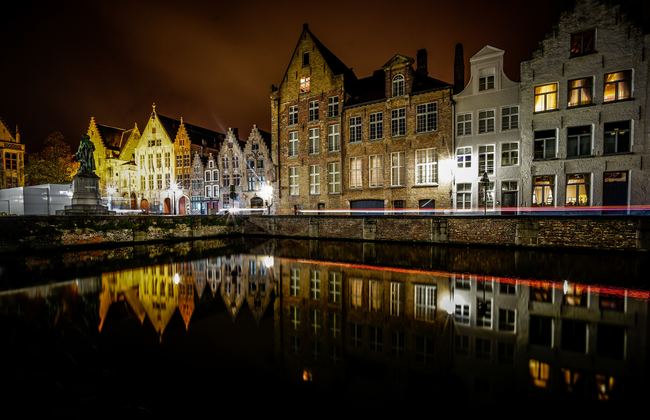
[
  {"x": 12, "y": 157},
  {"x": 487, "y": 135},
  {"x": 583, "y": 100},
  {"x": 384, "y": 141}
]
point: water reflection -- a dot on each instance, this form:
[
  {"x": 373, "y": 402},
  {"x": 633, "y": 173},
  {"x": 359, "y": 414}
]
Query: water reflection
[{"x": 374, "y": 329}]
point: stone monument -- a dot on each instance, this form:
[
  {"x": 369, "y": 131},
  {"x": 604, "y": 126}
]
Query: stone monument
[{"x": 85, "y": 184}]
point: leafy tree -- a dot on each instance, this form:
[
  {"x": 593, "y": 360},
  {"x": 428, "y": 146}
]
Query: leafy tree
[{"x": 53, "y": 165}]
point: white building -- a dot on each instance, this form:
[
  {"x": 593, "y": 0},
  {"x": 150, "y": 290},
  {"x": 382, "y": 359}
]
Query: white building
[
  {"x": 487, "y": 135},
  {"x": 583, "y": 112},
  {"x": 36, "y": 200}
]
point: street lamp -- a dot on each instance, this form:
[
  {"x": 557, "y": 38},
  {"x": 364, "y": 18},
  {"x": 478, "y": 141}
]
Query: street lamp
[
  {"x": 266, "y": 192},
  {"x": 110, "y": 190},
  {"x": 484, "y": 181},
  {"x": 173, "y": 188}
]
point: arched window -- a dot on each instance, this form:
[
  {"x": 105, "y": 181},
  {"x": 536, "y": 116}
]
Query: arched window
[{"x": 398, "y": 85}]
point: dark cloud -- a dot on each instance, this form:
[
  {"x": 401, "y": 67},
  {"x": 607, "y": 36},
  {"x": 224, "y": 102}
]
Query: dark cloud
[{"x": 213, "y": 62}]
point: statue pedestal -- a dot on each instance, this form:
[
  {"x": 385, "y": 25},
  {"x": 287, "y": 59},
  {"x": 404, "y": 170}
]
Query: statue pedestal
[{"x": 85, "y": 197}]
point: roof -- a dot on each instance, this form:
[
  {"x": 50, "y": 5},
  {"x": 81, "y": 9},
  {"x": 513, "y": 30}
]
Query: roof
[
  {"x": 373, "y": 88},
  {"x": 196, "y": 134},
  {"x": 12, "y": 133},
  {"x": 114, "y": 138}
]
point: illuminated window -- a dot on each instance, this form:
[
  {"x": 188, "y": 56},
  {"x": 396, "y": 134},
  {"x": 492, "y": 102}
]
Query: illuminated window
[
  {"x": 334, "y": 324},
  {"x": 577, "y": 191},
  {"x": 314, "y": 285},
  {"x": 541, "y": 331},
  {"x": 355, "y": 129},
  {"x": 293, "y": 145},
  {"x": 539, "y": 373},
  {"x": 543, "y": 190},
  {"x": 486, "y": 159},
  {"x": 509, "y": 118},
  {"x": 464, "y": 157},
  {"x": 376, "y": 339},
  {"x": 486, "y": 121},
  {"x": 425, "y": 302},
  {"x": 334, "y": 288},
  {"x": 293, "y": 115},
  {"x": 397, "y": 341},
  {"x": 464, "y": 124},
  {"x": 314, "y": 179},
  {"x": 398, "y": 122},
  {"x": 396, "y": 294},
  {"x": 426, "y": 117},
  {"x": 376, "y": 127},
  {"x": 507, "y": 319},
  {"x": 356, "y": 293},
  {"x": 375, "y": 296},
  {"x": 375, "y": 175},
  {"x": 397, "y": 167},
  {"x": 578, "y": 141},
  {"x": 313, "y": 111},
  {"x": 545, "y": 142},
  {"x": 580, "y": 91},
  {"x": 461, "y": 314},
  {"x": 355, "y": 172},
  {"x": 546, "y": 97},
  {"x": 464, "y": 196},
  {"x": 305, "y": 85},
  {"x": 294, "y": 285},
  {"x": 509, "y": 154},
  {"x": 604, "y": 386},
  {"x": 426, "y": 166},
  {"x": 333, "y": 106},
  {"x": 333, "y": 138},
  {"x": 334, "y": 177},
  {"x": 617, "y": 137},
  {"x": 316, "y": 321},
  {"x": 314, "y": 141},
  {"x": 583, "y": 43},
  {"x": 294, "y": 315},
  {"x": 618, "y": 86},
  {"x": 398, "y": 85}
]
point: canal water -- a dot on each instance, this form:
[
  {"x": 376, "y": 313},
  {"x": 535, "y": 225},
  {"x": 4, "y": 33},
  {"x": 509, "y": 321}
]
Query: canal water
[{"x": 189, "y": 327}]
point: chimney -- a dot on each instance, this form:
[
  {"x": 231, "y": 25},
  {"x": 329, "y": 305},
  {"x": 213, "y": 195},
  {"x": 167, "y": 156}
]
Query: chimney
[
  {"x": 421, "y": 59},
  {"x": 459, "y": 69}
]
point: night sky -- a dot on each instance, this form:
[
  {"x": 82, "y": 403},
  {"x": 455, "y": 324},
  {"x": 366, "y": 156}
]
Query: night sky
[{"x": 213, "y": 62}]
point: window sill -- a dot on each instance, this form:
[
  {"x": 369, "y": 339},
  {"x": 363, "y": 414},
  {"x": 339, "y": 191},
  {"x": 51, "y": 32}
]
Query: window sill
[
  {"x": 579, "y": 157},
  {"x": 334, "y": 151},
  {"x": 618, "y": 153},
  {"x": 334, "y": 193},
  {"x": 510, "y": 166},
  {"x": 356, "y": 142},
  {"x": 617, "y": 101},
  {"x": 398, "y": 137},
  {"x": 376, "y": 140},
  {"x": 568, "y": 107},
  {"x": 582, "y": 55},
  {"x": 544, "y": 159},
  {"x": 426, "y": 132},
  {"x": 546, "y": 111},
  {"x": 397, "y": 186},
  {"x": 374, "y": 187},
  {"x": 435, "y": 184},
  {"x": 487, "y": 132}
]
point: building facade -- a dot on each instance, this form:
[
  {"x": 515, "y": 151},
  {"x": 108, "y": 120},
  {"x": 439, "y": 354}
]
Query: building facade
[
  {"x": 384, "y": 141},
  {"x": 488, "y": 138},
  {"x": 583, "y": 100},
  {"x": 12, "y": 157}
]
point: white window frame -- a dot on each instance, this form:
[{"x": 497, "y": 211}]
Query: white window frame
[
  {"x": 333, "y": 138},
  {"x": 486, "y": 121},
  {"x": 314, "y": 179},
  {"x": 376, "y": 126},
  {"x": 426, "y": 117},
  {"x": 425, "y": 302},
  {"x": 294, "y": 187},
  {"x": 396, "y": 292},
  {"x": 333, "y": 106},
  {"x": 398, "y": 122},
  {"x": 464, "y": 124},
  {"x": 355, "y": 129},
  {"x": 398, "y": 86},
  {"x": 293, "y": 145},
  {"x": 397, "y": 169},
  {"x": 464, "y": 157},
  {"x": 313, "y": 111},
  {"x": 314, "y": 285},
  {"x": 486, "y": 154},
  {"x": 509, "y": 117},
  {"x": 356, "y": 173},
  {"x": 208, "y": 176},
  {"x": 375, "y": 171},
  {"x": 294, "y": 282},
  {"x": 426, "y": 166},
  {"x": 335, "y": 285},
  {"x": 511, "y": 153},
  {"x": 293, "y": 115},
  {"x": 464, "y": 195},
  {"x": 314, "y": 141},
  {"x": 334, "y": 178}
]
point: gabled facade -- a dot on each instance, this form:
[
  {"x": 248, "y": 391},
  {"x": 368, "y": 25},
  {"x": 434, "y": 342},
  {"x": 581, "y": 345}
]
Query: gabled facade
[
  {"x": 12, "y": 157},
  {"x": 583, "y": 100},
  {"x": 488, "y": 138},
  {"x": 380, "y": 142}
]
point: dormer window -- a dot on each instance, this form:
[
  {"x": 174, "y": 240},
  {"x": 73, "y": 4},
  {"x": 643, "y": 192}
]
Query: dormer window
[
  {"x": 583, "y": 43},
  {"x": 255, "y": 147},
  {"x": 210, "y": 164},
  {"x": 305, "y": 85},
  {"x": 398, "y": 85},
  {"x": 305, "y": 59},
  {"x": 486, "y": 80}
]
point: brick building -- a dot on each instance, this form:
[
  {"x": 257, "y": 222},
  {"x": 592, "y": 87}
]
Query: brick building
[
  {"x": 384, "y": 141},
  {"x": 583, "y": 118}
]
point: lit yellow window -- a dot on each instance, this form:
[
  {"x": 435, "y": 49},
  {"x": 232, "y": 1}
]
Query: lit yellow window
[
  {"x": 305, "y": 85},
  {"x": 539, "y": 373},
  {"x": 546, "y": 97},
  {"x": 618, "y": 86}
]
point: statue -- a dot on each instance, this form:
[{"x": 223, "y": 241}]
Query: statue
[{"x": 85, "y": 156}]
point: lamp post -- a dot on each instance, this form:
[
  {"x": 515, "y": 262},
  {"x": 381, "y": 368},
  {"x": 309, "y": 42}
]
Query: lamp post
[
  {"x": 110, "y": 190},
  {"x": 173, "y": 188},
  {"x": 484, "y": 181}
]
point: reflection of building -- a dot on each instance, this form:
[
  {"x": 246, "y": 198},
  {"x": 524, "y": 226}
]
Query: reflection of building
[
  {"x": 583, "y": 132},
  {"x": 494, "y": 334},
  {"x": 12, "y": 157},
  {"x": 341, "y": 142}
]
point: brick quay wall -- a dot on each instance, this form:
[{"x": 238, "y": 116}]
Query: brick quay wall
[{"x": 583, "y": 232}]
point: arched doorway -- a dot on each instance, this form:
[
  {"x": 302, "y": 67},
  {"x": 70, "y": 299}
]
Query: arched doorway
[
  {"x": 144, "y": 205},
  {"x": 257, "y": 202},
  {"x": 134, "y": 202},
  {"x": 182, "y": 203},
  {"x": 167, "y": 206}
]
